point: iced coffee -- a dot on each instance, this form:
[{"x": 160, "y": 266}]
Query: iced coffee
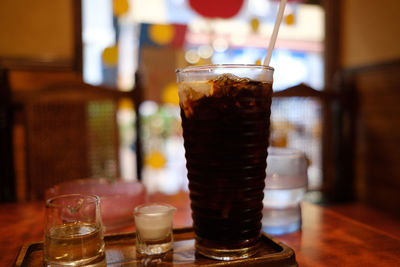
[{"x": 225, "y": 112}]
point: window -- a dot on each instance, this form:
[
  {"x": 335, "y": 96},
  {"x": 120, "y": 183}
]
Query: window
[{"x": 186, "y": 38}]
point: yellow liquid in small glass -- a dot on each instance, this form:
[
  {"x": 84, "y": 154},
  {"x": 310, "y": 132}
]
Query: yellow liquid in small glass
[{"x": 74, "y": 244}]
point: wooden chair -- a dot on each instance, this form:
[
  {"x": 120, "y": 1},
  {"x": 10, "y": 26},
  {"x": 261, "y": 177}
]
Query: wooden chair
[
  {"x": 325, "y": 130},
  {"x": 69, "y": 131}
]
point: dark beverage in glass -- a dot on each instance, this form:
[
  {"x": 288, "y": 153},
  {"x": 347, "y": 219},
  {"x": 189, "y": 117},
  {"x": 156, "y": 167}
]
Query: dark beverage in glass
[{"x": 225, "y": 112}]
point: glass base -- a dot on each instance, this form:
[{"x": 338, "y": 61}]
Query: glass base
[
  {"x": 227, "y": 254},
  {"x": 282, "y": 220},
  {"x": 154, "y": 247},
  {"x": 97, "y": 261},
  {"x": 282, "y": 229}
]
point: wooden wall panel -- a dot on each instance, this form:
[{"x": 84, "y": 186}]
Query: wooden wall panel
[
  {"x": 377, "y": 136},
  {"x": 42, "y": 34},
  {"x": 369, "y": 32}
]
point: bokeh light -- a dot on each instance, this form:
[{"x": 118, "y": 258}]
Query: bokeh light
[{"x": 191, "y": 56}]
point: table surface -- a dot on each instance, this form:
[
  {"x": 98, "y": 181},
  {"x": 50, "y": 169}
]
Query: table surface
[{"x": 327, "y": 237}]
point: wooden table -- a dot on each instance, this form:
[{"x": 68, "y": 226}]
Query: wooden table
[{"x": 327, "y": 238}]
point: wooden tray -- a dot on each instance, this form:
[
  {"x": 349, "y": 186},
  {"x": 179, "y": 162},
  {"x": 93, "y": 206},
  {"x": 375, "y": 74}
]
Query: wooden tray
[{"x": 121, "y": 251}]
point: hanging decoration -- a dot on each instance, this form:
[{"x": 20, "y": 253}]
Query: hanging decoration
[
  {"x": 161, "y": 34},
  {"x": 255, "y": 24},
  {"x": 156, "y": 159},
  {"x": 216, "y": 9},
  {"x": 171, "y": 35},
  {"x": 120, "y": 7},
  {"x": 110, "y": 56},
  {"x": 289, "y": 19}
]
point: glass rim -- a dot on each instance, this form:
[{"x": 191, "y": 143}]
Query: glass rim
[
  {"x": 88, "y": 199},
  {"x": 212, "y": 67},
  {"x": 137, "y": 209}
]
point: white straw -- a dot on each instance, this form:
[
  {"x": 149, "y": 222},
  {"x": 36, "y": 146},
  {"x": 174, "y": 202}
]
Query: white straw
[{"x": 274, "y": 35}]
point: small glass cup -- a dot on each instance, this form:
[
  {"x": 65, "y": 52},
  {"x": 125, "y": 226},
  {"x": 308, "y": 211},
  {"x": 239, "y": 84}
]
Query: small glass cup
[
  {"x": 285, "y": 186},
  {"x": 73, "y": 234},
  {"x": 154, "y": 228}
]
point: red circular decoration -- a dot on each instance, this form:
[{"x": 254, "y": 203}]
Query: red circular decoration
[{"x": 216, "y": 8}]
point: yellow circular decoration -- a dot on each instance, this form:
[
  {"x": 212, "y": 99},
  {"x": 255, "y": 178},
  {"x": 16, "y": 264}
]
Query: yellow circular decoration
[
  {"x": 255, "y": 24},
  {"x": 289, "y": 19},
  {"x": 161, "y": 34},
  {"x": 258, "y": 62},
  {"x": 170, "y": 94},
  {"x": 120, "y": 7},
  {"x": 110, "y": 56},
  {"x": 156, "y": 160}
]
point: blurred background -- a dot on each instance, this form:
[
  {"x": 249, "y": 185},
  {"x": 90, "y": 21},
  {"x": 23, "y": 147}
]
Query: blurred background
[{"x": 87, "y": 89}]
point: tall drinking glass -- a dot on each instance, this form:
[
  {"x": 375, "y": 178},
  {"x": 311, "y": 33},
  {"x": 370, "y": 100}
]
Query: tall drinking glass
[
  {"x": 73, "y": 231},
  {"x": 225, "y": 112}
]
